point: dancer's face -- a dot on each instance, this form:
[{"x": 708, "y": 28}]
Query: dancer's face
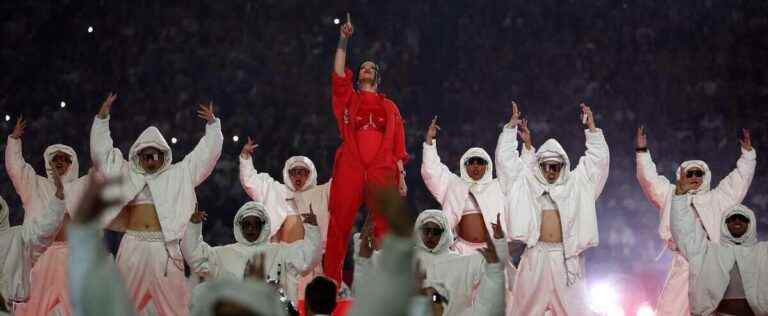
[
  {"x": 368, "y": 72},
  {"x": 737, "y": 225},
  {"x": 431, "y": 234},
  {"x": 151, "y": 159},
  {"x": 693, "y": 177},
  {"x": 551, "y": 170},
  {"x": 251, "y": 227},
  {"x": 476, "y": 167},
  {"x": 299, "y": 176},
  {"x": 61, "y": 162}
]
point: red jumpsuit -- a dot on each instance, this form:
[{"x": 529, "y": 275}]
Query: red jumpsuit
[{"x": 373, "y": 140}]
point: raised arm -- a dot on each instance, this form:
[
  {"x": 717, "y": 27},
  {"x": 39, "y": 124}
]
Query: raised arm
[
  {"x": 22, "y": 175},
  {"x": 655, "y": 187},
  {"x": 255, "y": 184},
  {"x": 105, "y": 156},
  {"x": 201, "y": 161},
  {"x": 341, "y": 79},
  {"x": 197, "y": 253},
  {"x": 436, "y": 175},
  {"x": 38, "y": 233},
  {"x": 733, "y": 188},
  {"x": 305, "y": 254},
  {"x": 687, "y": 232},
  {"x": 509, "y": 163},
  {"x": 340, "y": 58},
  {"x": 596, "y": 160}
]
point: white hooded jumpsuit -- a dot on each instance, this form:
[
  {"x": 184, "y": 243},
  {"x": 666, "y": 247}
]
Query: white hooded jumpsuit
[
  {"x": 711, "y": 205},
  {"x": 49, "y": 278},
  {"x": 284, "y": 262},
  {"x": 21, "y": 247},
  {"x": 261, "y": 187},
  {"x": 151, "y": 262},
  {"x": 550, "y": 275},
  {"x": 712, "y": 264}
]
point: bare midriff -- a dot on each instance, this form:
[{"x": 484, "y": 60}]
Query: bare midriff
[
  {"x": 551, "y": 230},
  {"x": 62, "y": 234},
  {"x": 291, "y": 230},
  {"x": 142, "y": 217},
  {"x": 472, "y": 228}
]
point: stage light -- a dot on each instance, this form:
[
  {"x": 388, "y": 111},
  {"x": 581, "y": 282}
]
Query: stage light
[
  {"x": 90, "y": 29},
  {"x": 604, "y": 298},
  {"x": 645, "y": 310},
  {"x": 7, "y": 118},
  {"x": 63, "y": 104},
  {"x": 614, "y": 310},
  {"x": 336, "y": 21},
  {"x": 174, "y": 140},
  {"x": 235, "y": 138}
]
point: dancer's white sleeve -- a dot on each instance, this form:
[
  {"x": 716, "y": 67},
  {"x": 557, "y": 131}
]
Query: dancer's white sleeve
[
  {"x": 24, "y": 178},
  {"x": 256, "y": 185},
  {"x": 734, "y": 187},
  {"x": 687, "y": 231},
  {"x": 509, "y": 163},
  {"x": 364, "y": 267},
  {"x": 394, "y": 282},
  {"x": 105, "y": 156},
  {"x": 491, "y": 292},
  {"x": 305, "y": 254},
  {"x": 436, "y": 175},
  {"x": 95, "y": 285},
  {"x": 595, "y": 162},
  {"x": 200, "y": 256},
  {"x": 39, "y": 232},
  {"x": 202, "y": 160},
  {"x": 655, "y": 187}
]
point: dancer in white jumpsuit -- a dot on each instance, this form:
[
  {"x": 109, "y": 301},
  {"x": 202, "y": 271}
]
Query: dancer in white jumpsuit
[
  {"x": 711, "y": 206},
  {"x": 157, "y": 198},
  {"x": 729, "y": 277},
  {"x": 283, "y": 262},
  {"x": 21, "y": 247},
  {"x": 552, "y": 210},
  {"x": 49, "y": 293}
]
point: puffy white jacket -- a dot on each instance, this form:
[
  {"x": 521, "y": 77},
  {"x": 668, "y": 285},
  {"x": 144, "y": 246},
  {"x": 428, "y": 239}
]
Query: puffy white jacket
[
  {"x": 575, "y": 193},
  {"x": 35, "y": 191},
  {"x": 711, "y": 263},
  {"x": 275, "y": 196},
  {"x": 711, "y": 205},
  {"x": 22, "y": 245},
  {"x": 172, "y": 186},
  {"x": 284, "y": 262}
]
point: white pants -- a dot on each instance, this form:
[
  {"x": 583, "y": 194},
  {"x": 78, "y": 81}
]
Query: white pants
[
  {"x": 49, "y": 294},
  {"x": 544, "y": 284},
  {"x": 673, "y": 300},
  {"x": 155, "y": 281}
]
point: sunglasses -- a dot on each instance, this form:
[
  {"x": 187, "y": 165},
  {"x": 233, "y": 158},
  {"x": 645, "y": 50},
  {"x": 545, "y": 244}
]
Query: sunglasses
[
  {"x": 432, "y": 231},
  {"x": 298, "y": 172},
  {"x": 551, "y": 167},
  {"x": 476, "y": 161},
  {"x": 694, "y": 173}
]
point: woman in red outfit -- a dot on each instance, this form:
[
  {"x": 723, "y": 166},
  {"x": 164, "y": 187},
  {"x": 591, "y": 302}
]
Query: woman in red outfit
[{"x": 371, "y": 155}]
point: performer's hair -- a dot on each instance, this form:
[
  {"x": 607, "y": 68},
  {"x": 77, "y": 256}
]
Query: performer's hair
[
  {"x": 320, "y": 295},
  {"x": 376, "y": 79}
]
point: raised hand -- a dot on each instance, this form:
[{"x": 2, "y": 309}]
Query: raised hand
[
  {"x": 198, "y": 216},
  {"x": 432, "y": 131},
  {"x": 525, "y": 134},
  {"x": 254, "y": 268},
  {"x": 310, "y": 218},
  {"x": 746, "y": 139},
  {"x": 489, "y": 252},
  {"x": 57, "y": 182},
  {"x": 206, "y": 112},
  {"x": 347, "y": 29},
  {"x": 498, "y": 233},
  {"x": 248, "y": 149},
  {"x": 92, "y": 204},
  {"x": 106, "y": 106},
  {"x": 587, "y": 117},
  {"x": 515, "y": 118},
  {"x": 18, "y": 130},
  {"x": 366, "y": 238},
  {"x": 641, "y": 139}
]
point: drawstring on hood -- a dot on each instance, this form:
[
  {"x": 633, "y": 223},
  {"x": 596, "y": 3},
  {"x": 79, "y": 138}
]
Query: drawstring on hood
[
  {"x": 437, "y": 217},
  {"x": 300, "y": 161},
  {"x": 151, "y": 137},
  {"x": 749, "y": 238},
  {"x": 74, "y": 169},
  {"x": 251, "y": 209}
]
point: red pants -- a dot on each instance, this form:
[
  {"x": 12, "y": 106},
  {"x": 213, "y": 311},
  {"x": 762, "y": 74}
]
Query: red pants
[{"x": 351, "y": 186}]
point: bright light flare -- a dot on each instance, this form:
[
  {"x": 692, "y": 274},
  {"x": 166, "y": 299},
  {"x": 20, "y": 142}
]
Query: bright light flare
[
  {"x": 645, "y": 310},
  {"x": 174, "y": 140},
  {"x": 604, "y": 299},
  {"x": 90, "y": 29},
  {"x": 63, "y": 104},
  {"x": 235, "y": 138},
  {"x": 336, "y": 21},
  {"x": 7, "y": 118}
]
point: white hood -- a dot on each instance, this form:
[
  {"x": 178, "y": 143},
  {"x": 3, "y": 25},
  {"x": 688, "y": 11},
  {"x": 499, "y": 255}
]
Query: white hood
[
  {"x": 551, "y": 148},
  {"x": 749, "y": 238},
  {"x": 437, "y": 217},
  {"x": 151, "y": 137},
  {"x": 258, "y": 297},
  {"x": 705, "y": 185},
  {"x": 303, "y": 162},
  {"x": 74, "y": 169},
  {"x": 481, "y": 153},
  {"x": 251, "y": 209}
]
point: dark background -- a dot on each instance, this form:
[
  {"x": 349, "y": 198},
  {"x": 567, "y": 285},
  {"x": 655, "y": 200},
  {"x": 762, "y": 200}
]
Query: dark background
[{"x": 694, "y": 72}]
